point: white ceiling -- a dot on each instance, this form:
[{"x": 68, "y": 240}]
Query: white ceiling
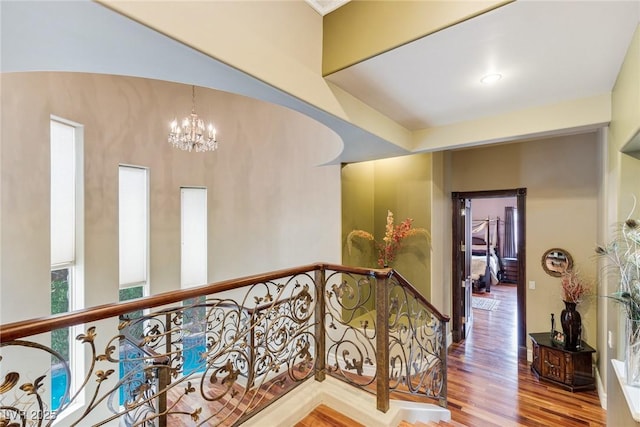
[{"x": 546, "y": 51}]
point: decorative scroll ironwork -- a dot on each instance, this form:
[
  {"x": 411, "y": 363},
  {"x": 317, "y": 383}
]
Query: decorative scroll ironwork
[
  {"x": 417, "y": 346},
  {"x": 417, "y": 337},
  {"x": 350, "y": 328},
  {"x": 219, "y": 359}
]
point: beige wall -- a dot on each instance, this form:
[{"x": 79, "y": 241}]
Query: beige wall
[
  {"x": 358, "y": 199},
  {"x": 625, "y": 97},
  {"x": 441, "y": 211},
  {"x": 402, "y": 185},
  {"x": 562, "y": 199},
  {"x": 267, "y": 196},
  {"x": 621, "y": 174}
]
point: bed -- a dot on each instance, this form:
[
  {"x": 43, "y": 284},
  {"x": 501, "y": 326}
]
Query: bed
[{"x": 486, "y": 265}]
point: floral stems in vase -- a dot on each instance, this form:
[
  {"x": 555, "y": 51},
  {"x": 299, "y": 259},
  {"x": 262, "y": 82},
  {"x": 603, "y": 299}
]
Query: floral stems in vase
[{"x": 392, "y": 240}]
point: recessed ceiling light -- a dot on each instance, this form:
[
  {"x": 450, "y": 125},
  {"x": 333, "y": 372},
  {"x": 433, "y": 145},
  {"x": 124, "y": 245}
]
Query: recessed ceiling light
[{"x": 490, "y": 78}]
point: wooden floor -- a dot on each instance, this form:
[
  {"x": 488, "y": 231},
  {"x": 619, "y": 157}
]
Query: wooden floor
[
  {"x": 324, "y": 416},
  {"x": 488, "y": 386}
]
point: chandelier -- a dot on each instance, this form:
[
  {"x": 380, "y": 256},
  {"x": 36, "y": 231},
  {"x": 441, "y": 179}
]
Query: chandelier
[{"x": 193, "y": 135}]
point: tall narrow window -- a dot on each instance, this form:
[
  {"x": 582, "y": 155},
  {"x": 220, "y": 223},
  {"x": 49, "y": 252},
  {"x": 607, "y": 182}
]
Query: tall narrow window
[
  {"x": 193, "y": 272},
  {"x": 133, "y": 200},
  {"x": 133, "y": 226},
  {"x": 193, "y": 235},
  {"x": 66, "y": 225}
]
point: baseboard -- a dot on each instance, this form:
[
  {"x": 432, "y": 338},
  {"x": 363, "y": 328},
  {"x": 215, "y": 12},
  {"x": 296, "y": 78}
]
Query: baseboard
[
  {"x": 449, "y": 339},
  {"x": 602, "y": 394}
]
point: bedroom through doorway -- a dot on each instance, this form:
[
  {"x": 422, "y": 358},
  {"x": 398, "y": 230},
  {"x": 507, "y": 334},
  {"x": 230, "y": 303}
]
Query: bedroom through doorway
[{"x": 489, "y": 254}]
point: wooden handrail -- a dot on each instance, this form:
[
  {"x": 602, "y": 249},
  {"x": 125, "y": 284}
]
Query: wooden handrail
[
  {"x": 24, "y": 328},
  {"x": 405, "y": 283}
]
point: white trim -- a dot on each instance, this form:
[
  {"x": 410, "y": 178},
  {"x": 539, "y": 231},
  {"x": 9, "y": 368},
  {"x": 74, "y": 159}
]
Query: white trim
[
  {"x": 631, "y": 394},
  {"x": 75, "y": 267},
  {"x": 355, "y": 403},
  {"x": 602, "y": 394}
]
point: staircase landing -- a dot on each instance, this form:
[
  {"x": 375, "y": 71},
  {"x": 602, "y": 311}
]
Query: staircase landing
[{"x": 343, "y": 399}]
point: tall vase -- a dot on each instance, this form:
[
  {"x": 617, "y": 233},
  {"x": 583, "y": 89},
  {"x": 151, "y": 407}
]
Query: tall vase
[
  {"x": 571, "y": 326},
  {"x": 632, "y": 359}
]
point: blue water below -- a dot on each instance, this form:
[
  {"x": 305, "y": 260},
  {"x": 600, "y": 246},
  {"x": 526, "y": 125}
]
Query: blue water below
[
  {"x": 58, "y": 385},
  {"x": 193, "y": 347}
]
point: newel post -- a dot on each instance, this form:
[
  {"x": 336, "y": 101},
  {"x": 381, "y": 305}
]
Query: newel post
[
  {"x": 382, "y": 344},
  {"x": 163, "y": 370},
  {"x": 164, "y": 374},
  {"x": 442, "y": 400},
  {"x": 319, "y": 331}
]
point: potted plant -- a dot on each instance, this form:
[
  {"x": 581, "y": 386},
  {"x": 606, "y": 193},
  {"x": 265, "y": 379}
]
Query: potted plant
[{"x": 623, "y": 253}]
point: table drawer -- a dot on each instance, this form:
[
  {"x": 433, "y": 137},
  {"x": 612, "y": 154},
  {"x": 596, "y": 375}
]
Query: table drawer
[{"x": 553, "y": 364}]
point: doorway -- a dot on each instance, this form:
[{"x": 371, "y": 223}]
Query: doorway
[{"x": 462, "y": 278}]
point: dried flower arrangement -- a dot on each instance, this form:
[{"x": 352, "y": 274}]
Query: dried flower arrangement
[
  {"x": 391, "y": 242},
  {"x": 574, "y": 287}
]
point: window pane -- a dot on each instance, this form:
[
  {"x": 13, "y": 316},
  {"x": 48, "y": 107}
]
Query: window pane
[
  {"x": 62, "y": 193},
  {"x": 131, "y": 357},
  {"x": 194, "y": 324},
  {"x": 131, "y": 293},
  {"x": 60, "y": 291},
  {"x": 60, "y": 338},
  {"x": 133, "y": 211},
  {"x": 193, "y": 258},
  {"x": 126, "y": 294},
  {"x": 66, "y": 234}
]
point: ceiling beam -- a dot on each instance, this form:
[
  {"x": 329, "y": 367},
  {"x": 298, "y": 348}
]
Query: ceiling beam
[{"x": 360, "y": 30}]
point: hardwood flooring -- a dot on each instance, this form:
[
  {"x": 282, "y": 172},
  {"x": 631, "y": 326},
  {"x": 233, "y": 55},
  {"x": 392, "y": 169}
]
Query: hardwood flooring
[
  {"x": 323, "y": 416},
  {"x": 489, "y": 386}
]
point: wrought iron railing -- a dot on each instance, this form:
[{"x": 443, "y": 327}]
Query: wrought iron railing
[{"x": 218, "y": 354}]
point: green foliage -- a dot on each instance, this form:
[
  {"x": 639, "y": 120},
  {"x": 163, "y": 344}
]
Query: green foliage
[
  {"x": 60, "y": 304},
  {"x": 59, "y": 296},
  {"x": 135, "y": 329},
  {"x": 127, "y": 294}
]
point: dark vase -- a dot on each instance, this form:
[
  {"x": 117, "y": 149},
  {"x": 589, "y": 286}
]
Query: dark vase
[{"x": 571, "y": 326}]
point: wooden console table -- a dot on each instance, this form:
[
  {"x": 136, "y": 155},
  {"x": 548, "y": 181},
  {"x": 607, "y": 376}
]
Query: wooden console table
[{"x": 571, "y": 370}]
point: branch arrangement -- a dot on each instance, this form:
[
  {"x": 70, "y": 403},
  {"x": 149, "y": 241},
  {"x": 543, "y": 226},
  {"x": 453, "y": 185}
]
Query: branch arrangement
[{"x": 392, "y": 240}]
